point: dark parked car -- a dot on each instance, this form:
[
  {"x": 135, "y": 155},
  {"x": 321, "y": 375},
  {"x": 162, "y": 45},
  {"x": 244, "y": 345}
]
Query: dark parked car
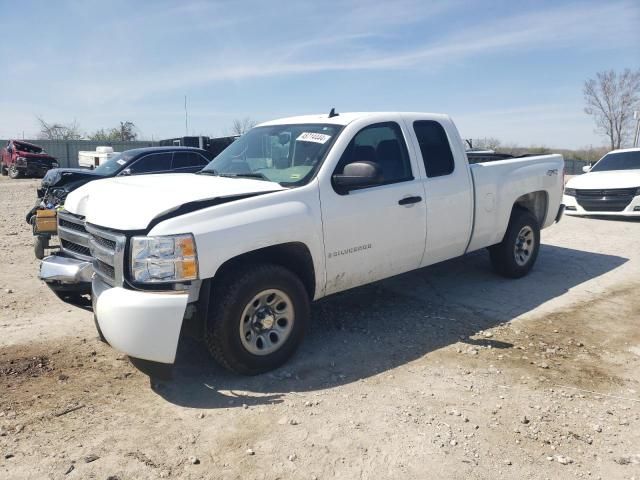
[
  {"x": 59, "y": 182},
  {"x": 22, "y": 158}
]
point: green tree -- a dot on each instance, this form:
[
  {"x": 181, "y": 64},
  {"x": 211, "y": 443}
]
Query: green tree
[{"x": 125, "y": 132}]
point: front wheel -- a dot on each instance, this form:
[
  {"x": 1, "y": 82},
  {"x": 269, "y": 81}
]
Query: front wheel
[
  {"x": 14, "y": 172},
  {"x": 258, "y": 317},
  {"x": 3, "y": 170},
  {"x": 517, "y": 253}
]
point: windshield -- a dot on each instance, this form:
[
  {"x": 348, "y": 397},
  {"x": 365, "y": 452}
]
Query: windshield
[
  {"x": 618, "y": 161},
  {"x": 287, "y": 154},
  {"x": 113, "y": 165}
]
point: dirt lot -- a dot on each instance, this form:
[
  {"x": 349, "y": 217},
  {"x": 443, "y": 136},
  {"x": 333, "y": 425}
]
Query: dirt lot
[{"x": 448, "y": 372}]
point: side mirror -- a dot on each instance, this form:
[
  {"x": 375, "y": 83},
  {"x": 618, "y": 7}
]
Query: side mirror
[
  {"x": 586, "y": 168},
  {"x": 126, "y": 172},
  {"x": 357, "y": 175}
]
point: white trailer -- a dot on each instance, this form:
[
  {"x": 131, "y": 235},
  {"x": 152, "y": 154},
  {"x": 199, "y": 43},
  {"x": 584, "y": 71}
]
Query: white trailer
[{"x": 91, "y": 160}]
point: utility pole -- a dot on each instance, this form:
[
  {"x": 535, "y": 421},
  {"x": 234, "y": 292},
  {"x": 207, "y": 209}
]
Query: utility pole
[
  {"x": 636, "y": 137},
  {"x": 186, "y": 118}
]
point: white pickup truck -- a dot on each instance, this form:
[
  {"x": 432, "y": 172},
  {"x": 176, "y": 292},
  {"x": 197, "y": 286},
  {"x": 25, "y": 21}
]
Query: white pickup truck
[{"x": 296, "y": 209}]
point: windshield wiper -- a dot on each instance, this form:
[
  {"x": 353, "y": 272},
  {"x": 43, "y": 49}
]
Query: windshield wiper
[
  {"x": 207, "y": 172},
  {"x": 257, "y": 175}
]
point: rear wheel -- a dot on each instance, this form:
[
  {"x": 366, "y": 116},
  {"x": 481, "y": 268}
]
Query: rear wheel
[
  {"x": 518, "y": 251},
  {"x": 3, "y": 170},
  {"x": 14, "y": 172},
  {"x": 258, "y": 318}
]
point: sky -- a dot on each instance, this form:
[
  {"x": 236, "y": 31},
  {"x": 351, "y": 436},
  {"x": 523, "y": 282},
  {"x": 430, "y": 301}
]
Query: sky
[{"x": 505, "y": 69}]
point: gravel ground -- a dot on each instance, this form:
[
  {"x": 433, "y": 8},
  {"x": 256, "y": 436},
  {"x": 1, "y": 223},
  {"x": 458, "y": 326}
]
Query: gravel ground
[{"x": 447, "y": 372}]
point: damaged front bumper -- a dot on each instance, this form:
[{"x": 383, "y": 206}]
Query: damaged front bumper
[
  {"x": 144, "y": 325},
  {"x": 60, "y": 272}
]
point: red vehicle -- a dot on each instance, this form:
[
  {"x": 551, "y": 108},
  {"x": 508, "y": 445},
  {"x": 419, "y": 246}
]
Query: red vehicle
[{"x": 25, "y": 159}]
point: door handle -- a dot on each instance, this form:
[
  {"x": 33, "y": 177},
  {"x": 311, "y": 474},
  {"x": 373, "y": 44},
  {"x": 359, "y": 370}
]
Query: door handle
[{"x": 409, "y": 200}]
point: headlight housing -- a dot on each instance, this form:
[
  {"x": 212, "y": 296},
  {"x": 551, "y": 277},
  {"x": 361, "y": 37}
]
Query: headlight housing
[
  {"x": 164, "y": 259},
  {"x": 21, "y": 161},
  {"x": 570, "y": 191}
]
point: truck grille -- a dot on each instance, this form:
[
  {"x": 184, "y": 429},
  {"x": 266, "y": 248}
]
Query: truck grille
[
  {"x": 68, "y": 246},
  {"x": 606, "y": 200},
  {"x": 74, "y": 239},
  {"x": 107, "y": 250}
]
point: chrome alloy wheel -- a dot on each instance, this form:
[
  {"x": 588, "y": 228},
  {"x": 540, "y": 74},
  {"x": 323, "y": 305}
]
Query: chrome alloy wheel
[
  {"x": 524, "y": 245},
  {"x": 266, "y": 322}
]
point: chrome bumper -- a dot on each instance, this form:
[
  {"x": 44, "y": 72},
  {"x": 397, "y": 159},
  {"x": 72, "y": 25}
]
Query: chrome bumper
[{"x": 58, "y": 269}]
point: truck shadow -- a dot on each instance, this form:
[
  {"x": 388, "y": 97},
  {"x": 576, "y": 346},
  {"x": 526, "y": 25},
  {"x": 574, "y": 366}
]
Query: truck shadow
[{"x": 375, "y": 328}]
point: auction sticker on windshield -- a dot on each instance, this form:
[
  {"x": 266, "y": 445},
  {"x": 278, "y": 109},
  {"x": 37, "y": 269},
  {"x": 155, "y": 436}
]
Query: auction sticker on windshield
[{"x": 313, "y": 137}]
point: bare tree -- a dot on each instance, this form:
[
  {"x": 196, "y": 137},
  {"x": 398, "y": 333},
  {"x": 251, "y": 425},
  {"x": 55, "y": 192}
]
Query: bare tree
[
  {"x": 241, "y": 126},
  {"x": 611, "y": 99},
  {"x": 58, "y": 131}
]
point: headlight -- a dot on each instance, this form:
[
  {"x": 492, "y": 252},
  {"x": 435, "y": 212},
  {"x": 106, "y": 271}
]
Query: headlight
[
  {"x": 21, "y": 160},
  {"x": 570, "y": 191},
  {"x": 171, "y": 258},
  {"x": 54, "y": 165}
]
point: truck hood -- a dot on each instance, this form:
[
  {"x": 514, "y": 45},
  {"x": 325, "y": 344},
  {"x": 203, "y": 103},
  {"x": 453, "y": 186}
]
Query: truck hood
[
  {"x": 38, "y": 156},
  {"x": 132, "y": 203},
  {"x": 58, "y": 177},
  {"x": 610, "y": 179}
]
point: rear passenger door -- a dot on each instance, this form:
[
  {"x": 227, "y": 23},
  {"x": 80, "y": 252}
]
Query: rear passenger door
[
  {"x": 448, "y": 188},
  {"x": 188, "y": 162}
]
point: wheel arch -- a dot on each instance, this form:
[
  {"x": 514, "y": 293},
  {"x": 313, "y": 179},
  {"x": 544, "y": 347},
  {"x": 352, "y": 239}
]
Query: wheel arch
[
  {"x": 534, "y": 202},
  {"x": 294, "y": 256}
]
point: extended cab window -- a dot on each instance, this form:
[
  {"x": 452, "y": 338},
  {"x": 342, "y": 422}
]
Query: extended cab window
[
  {"x": 188, "y": 159},
  {"x": 155, "y": 162},
  {"x": 383, "y": 144},
  {"x": 435, "y": 149}
]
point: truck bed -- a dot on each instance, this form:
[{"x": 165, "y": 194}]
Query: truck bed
[{"x": 499, "y": 184}]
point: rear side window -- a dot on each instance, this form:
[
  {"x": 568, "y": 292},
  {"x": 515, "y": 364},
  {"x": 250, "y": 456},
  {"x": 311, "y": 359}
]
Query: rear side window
[
  {"x": 188, "y": 159},
  {"x": 383, "y": 144},
  {"x": 156, "y": 162},
  {"x": 435, "y": 149}
]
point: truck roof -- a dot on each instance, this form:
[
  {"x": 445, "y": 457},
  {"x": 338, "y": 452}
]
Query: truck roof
[
  {"x": 620, "y": 150},
  {"x": 345, "y": 118}
]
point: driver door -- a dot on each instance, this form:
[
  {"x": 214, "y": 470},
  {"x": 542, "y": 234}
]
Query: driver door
[{"x": 378, "y": 231}]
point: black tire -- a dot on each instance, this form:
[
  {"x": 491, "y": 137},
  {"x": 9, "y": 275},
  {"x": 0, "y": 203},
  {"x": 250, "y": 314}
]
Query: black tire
[
  {"x": 517, "y": 253},
  {"x": 231, "y": 295},
  {"x": 3, "y": 170},
  {"x": 40, "y": 245},
  {"x": 14, "y": 172}
]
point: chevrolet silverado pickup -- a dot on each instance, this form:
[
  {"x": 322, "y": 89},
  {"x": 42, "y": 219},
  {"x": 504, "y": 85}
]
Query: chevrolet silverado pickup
[{"x": 295, "y": 210}]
